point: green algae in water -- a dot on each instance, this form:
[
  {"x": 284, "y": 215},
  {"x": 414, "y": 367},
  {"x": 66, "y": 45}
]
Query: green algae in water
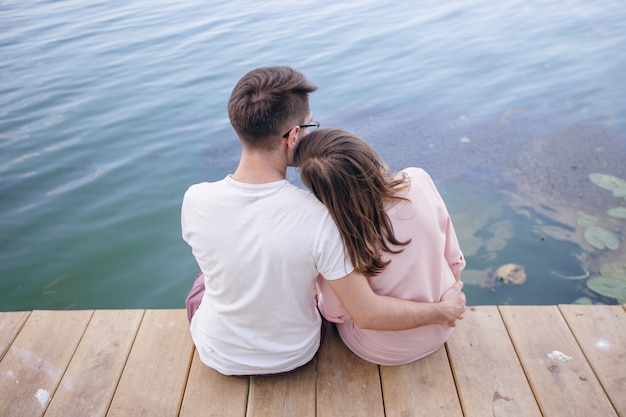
[
  {"x": 617, "y": 212},
  {"x": 502, "y": 232},
  {"x": 609, "y": 287},
  {"x": 586, "y": 220},
  {"x": 601, "y": 238}
]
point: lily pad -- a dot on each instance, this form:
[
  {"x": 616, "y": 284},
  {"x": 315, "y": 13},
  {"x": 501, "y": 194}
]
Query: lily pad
[
  {"x": 608, "y": 287},
  {"x": 608, "y": 182},
  {"x": 586, "y": 220},
  {"x": 511, "y": 274},
  {"x": 601, "y": 238},
  {"x": 617, "y": 212},
  {"x": 583, "y": 301},
  {"x": 620, "y": 192},
  {"x": 614, "y": 269}
]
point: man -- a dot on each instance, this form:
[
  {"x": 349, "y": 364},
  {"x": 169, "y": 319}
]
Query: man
[{"x": 260, "y": 243}]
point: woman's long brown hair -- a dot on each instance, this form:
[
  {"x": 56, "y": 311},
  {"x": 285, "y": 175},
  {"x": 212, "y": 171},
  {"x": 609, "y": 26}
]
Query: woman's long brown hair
[{"x": 349, "y": 178}]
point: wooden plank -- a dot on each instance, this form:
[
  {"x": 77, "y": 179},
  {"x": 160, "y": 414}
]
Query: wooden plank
[
  {"x": 34, "y": 364},
  {"x": 346, "y": 384},
  {"x": 47, "y": 352},
  {"x": 601, "y": 333},
  {"x": 287, "y": 395},
  {"x": 488, "y": 374},
  {"x": 562, "y": 380},
  {"x": 10, "y": 325},
  {"x": 92, "y": 376},
  {"x": 421, "y": 388},
  {"x": 154, "y": 377},
  {"x": 210, "y": 393}
]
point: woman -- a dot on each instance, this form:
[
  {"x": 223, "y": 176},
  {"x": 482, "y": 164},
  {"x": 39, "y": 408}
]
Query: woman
[{"x": 395, "y": 228}]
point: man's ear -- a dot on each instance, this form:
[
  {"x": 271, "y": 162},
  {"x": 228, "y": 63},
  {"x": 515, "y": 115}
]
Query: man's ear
[{"x": 292, "y": 139}]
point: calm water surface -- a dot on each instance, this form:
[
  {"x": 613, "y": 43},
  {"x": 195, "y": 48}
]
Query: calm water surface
[{"x": 110, "y": 110}]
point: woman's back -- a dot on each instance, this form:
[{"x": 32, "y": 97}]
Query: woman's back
[
  {"x": 422, "y": 271},
  {"x": 396, "y": 230}
]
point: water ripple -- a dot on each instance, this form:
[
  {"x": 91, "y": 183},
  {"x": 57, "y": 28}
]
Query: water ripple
[{"x": 109, "y": 109}]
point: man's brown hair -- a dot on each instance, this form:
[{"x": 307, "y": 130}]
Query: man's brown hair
[{"x": 267, "y": 101}]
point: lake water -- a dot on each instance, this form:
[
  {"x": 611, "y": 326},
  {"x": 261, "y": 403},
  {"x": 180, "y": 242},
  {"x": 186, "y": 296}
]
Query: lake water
[{"x": 109, "y": 110}]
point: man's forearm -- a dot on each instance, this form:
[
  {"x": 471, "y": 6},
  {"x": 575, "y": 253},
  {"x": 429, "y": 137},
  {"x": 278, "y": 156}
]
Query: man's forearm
[
  {"x": 397, "y": 314},
  {"x": 371, "y": 311}
]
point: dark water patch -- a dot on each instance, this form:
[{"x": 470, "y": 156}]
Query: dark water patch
[
  {"x": 518, "y": 147},
  {"x": 547, "y": 157},
  {"x": 515, "y": 186}
]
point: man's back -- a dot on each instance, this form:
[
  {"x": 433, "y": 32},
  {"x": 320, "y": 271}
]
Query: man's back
[{"x": 260, "y": 247}]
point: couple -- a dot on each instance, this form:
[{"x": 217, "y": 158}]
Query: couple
[{"x": 374, "y": 251}]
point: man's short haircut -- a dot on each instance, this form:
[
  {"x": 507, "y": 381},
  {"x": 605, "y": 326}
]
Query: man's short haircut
[{"x": 267, "y": 101}]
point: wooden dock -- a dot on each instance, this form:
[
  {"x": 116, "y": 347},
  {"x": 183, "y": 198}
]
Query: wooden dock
[{"x": 520, "y": 361}]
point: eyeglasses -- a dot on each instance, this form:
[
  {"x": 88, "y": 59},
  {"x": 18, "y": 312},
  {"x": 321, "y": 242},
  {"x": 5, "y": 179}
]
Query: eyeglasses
[{"x": 312, "y": 125}]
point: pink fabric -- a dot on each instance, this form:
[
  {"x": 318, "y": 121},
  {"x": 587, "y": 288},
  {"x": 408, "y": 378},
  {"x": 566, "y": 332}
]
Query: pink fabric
[
  {"x": 422, "y": 272},
  {"x": 192, "y": 302}
]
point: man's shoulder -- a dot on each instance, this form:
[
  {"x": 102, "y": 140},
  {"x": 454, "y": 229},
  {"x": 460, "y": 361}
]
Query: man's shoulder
[
  {"x": 303, "y": 200},
  {"x": 281, "y": 194},
  {"x": 201, "y": 188}
]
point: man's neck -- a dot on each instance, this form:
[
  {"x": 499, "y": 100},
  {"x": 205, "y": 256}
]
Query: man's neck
[{"x": 260, "y": 168}]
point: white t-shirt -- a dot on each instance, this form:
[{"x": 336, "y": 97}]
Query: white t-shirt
[{"x": 260, "y": 247}]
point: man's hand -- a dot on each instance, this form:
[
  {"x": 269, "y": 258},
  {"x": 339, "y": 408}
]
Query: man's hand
[{"x": 452, "y": 304}]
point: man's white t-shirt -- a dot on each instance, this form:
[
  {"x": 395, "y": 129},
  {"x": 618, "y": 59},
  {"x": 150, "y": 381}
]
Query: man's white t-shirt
[{"x": 260, "y": 247}]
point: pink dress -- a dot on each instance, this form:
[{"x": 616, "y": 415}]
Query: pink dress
[{"x": 422, "y": 272}]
